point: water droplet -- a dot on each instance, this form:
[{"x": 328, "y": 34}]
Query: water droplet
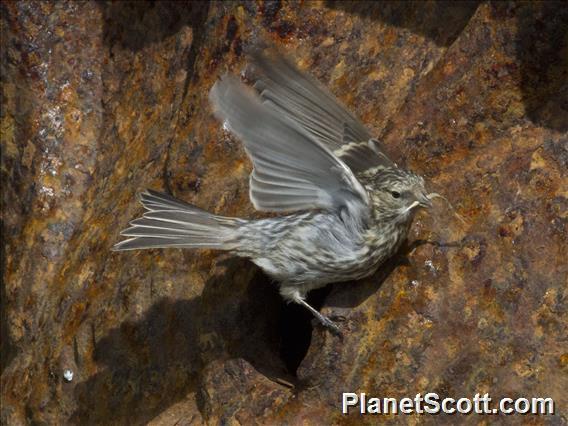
[
  {"x": 68, "y": 375},
  {"x": 430, "y": 265}
]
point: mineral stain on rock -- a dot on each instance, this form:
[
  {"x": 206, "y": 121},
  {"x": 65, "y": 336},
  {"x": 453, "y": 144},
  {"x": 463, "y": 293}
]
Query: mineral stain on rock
[{"x": 101, "y": 100}]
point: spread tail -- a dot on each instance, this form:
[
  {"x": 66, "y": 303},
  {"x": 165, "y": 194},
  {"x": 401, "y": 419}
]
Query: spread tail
[{"x": 169, "y": 222}]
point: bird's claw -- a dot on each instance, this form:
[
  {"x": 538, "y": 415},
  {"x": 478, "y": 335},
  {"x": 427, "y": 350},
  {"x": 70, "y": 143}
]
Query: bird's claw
[{"x": 330, "y": 325}]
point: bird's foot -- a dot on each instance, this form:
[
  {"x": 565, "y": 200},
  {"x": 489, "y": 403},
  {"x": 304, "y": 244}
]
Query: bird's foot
[
  {"x": 329, "y": 324},
  {"x": 322, "y": 319}
]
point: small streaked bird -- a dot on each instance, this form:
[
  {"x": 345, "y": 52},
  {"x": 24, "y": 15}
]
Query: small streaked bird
[{"x": 346, "y": 207}]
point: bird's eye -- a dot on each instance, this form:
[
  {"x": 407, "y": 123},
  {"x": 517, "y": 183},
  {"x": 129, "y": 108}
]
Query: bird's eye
[{"x": 395, "y": 194}]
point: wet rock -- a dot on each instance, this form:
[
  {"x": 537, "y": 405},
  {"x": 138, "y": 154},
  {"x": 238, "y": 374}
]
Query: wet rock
[{"x": 101, "y": 100}]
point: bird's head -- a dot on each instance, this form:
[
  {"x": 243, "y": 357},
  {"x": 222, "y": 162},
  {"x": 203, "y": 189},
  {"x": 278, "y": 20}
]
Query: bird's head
[{"x": 396, "y": 194}]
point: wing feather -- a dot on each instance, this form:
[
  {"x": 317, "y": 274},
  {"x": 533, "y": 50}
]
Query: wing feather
[
  {"x": 292, "y": 170},
  {"x": 304, "y": 101}
]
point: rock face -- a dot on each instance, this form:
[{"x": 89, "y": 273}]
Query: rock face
[{"x": 101, "y": 100}]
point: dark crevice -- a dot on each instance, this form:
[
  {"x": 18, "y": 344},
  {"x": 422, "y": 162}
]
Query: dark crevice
[
  {"x": 287, "y": 328},
  {"x": 198, "y": 19},
  {"x": 7, "y": 348},
  {"x": 296, "y": 327},
  {"x": 284, "y": 330}
]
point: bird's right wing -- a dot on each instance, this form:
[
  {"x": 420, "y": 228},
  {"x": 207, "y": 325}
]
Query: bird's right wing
[{"x": 292, "y": 170}]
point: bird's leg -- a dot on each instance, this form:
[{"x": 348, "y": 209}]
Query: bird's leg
[{"x": 325, "y": 321}]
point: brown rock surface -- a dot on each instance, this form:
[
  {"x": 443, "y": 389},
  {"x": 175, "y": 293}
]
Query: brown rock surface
[{"x": 101, "y": 100}]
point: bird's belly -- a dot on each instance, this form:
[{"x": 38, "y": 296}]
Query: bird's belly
[
  {"x": 320, "y": 268},
  {"x": 319, "y": 250}
]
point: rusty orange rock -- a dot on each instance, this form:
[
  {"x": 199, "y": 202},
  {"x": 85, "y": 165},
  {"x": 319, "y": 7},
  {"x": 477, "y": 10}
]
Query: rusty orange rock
[{"x": 102, "y": 100}]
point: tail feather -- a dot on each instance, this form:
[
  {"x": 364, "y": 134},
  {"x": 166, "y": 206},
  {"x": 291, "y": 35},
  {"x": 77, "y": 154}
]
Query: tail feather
[
  {"x": 154, "y": 200},
  {"x": 169, "y": 222}
]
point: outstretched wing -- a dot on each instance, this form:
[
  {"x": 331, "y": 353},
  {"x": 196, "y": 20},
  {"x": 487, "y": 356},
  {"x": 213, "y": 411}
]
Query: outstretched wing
[
  {"x": 304, "y": 101},
  {"x": 292, "y": 171}
]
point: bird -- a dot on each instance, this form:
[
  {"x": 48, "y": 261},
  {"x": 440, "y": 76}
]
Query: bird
[{"x": 342, "y": 206}]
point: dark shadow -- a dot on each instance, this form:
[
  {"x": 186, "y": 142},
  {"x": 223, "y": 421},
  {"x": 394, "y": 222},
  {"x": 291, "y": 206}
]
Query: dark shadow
[
  {"x": 440, "y": 21},
  {"x": 296, "y": 327},
  {"x": 542, "y": 50},
  {"x": 132, "y": 25},
  {"x": 150, "y": 364}
]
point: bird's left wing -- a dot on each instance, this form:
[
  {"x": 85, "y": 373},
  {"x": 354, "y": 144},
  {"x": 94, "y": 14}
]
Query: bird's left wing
[
  {"x": 292, "y": 170},
  {"x": 303, "y": 100}
]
